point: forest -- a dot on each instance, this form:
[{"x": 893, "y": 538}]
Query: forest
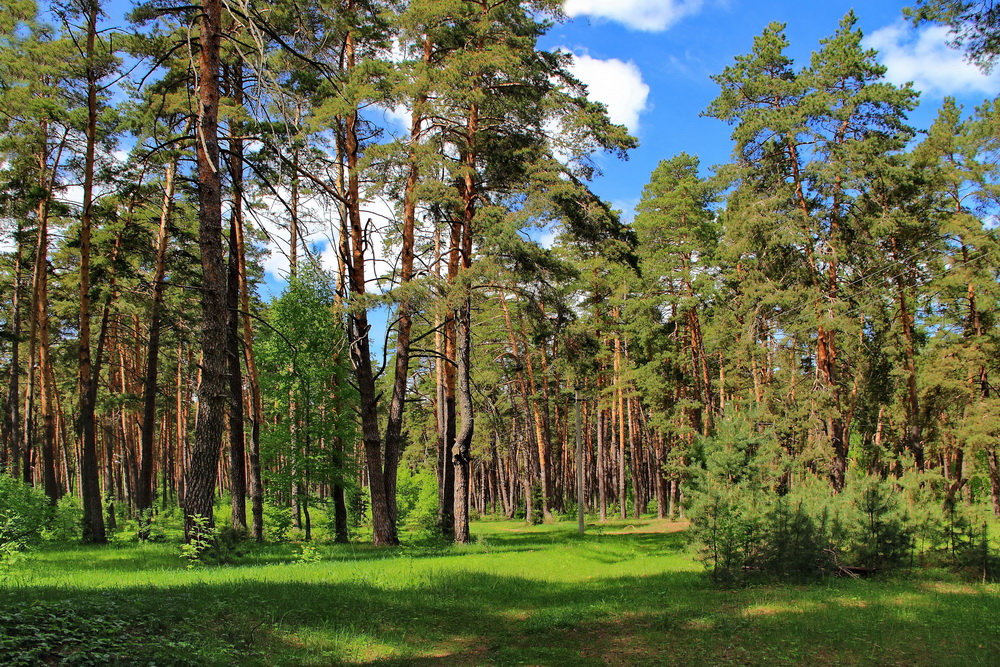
[{"x": 779, "y": 369}]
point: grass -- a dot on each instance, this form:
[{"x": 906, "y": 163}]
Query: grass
[{"x": 626, "y": 593}]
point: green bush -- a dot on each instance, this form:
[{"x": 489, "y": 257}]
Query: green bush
[
  {"x": 751, "y": 520},
  {"x": 24, "y": 514},
  {"x": 278, "y": 522},
  {"x": 880, "y": 534},
  {"x": 65, "y": 526},
  {"x": 800, "y": 535},
  {"x": 537, "y": 516},
  {"x": 210, "y": 545},
  {"x": 417, "y": 499}
]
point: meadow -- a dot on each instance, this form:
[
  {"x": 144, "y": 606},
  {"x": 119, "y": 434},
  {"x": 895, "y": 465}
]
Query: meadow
[{"x": 624, "y": 593}]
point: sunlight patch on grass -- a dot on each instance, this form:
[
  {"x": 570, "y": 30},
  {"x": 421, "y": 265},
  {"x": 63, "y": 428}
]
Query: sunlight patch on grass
[
  {"x": 950, "y": 588},
  {"x": 652, "y": 527},
  {"x": 772, "y": 609}
]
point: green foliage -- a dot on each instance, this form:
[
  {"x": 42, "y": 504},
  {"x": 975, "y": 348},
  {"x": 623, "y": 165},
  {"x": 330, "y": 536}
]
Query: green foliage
[
  {"x": 277, "y": 522},
  {"x": 209, "y": 545},
  {"x": 71, "y": 632},
  {"x": 197, "y": 547},
  {"x": 309, "y": 403},
  {"x": 229, "y": 546},
  {"x": 308, "y": 553},
  {"x": 879, "y": 533},
  {"x": 417, "y": 498},
  {"x": 755, "y": 515},
  {"x": 537, "y": 517},
  {"x": 974, "y": 25},
  {"x": 67, "y": 516},
  {"x": 148, "y": 528},
  {"x": 24, "y": 514}
]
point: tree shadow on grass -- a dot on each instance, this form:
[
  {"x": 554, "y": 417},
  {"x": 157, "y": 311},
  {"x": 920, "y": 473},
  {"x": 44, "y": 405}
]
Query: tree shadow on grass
[{"x": 463, "y": 617}]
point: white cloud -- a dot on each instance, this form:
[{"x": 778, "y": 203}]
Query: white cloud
[
  {"x": 7, "y": 243},
  {"x": 395, "y": 118},
  {"x": 645, "y": 15},
  {"x": 615, "y": 83},
  {"x": 924, "y": 57},
  {"x": 319, "y": 236},
  {"x": 272, "y": 217}
]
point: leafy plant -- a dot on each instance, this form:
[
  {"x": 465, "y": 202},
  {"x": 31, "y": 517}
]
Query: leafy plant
[
  {"x": 308, "y": 553},
  {"x": 418, "y": 499},
  {"x": 209, "y": 545},
  {"x": 24, "y": 514},
  {"x": 201, "y": 540},
  {"x": 65, "y": 524},
  {"x": 277, "y": 521}
]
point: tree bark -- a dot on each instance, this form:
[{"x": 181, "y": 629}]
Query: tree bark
[
  {"x": 144, "y": 486},
  {"x": 12, "y": 418},
  {"x": 401, "y": 370},
  {"x": 465, "y": 417},
  {"x": 200, "y": 475},
  {"x": 237, "y": 429}
]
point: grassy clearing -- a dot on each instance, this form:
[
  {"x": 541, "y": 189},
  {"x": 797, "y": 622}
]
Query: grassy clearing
[{"x": 626, "y": 593}]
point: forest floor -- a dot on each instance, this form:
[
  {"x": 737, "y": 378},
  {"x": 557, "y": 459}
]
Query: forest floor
[{"x": 628, "y": 592}]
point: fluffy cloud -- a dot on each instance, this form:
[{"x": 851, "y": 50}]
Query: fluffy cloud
[
  {"x": 645, "y": 15},
  {"x": 924, "y": 57},
  {"x": 615, "y": 83},
  {"x": 319, "y": 230}
]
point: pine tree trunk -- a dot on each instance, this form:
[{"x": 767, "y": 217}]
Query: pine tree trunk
[
  {"x": 235, "y": 280},
  {"x": 38, "y": 341},
  {"x": 620, "y": 412},
  {"x": 200, "y": 474},
  {"x": 12, "y": 419},
  {"x": 461, "y": 451},
  {"x": 256, "y": 484},
  {"x": 401, "y": 369},
  {"x": 993, "y": 461},
  {"x": 237, "y": 435},
  {"x": 445, "y": 368},
  {"x": 602, "y": 480},
  {"x": 384, "y": 531},
  {"x": 144, "y": 486},
  {"x": 93, "y": 525},
  {"x": 912, "y": 437},
  {"x": 465, "y": 418}
]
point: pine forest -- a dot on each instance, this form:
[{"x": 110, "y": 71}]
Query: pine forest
[{"x": 318, "y": 306}]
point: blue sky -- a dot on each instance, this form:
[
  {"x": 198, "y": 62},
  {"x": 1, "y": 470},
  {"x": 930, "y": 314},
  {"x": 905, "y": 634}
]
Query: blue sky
[{"x": 672, "y": 47}]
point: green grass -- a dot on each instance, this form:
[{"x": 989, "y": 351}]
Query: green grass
[{"x": 519, "y": 595}]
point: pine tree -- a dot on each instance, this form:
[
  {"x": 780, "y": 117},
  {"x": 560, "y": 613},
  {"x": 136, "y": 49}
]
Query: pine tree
[{"x": 808, "y": 142}]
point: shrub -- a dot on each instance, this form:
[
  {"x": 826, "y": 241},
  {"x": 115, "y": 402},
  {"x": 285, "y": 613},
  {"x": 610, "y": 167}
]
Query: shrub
[
  {"x": 750, "y": 520},
  {"x": 308, "y": 553},
  {"x": 277, "y": 522},
  {"x": 202, "y": 537},
  {"x": 537, "y": 516},
  {"x": 800, "y": 535},
  {"x": 210, "y": 545},
  {"x": 66, "y": 522},
  {"x": 24, "y": 514},
  {"x": 418, "y": 499},
  {"x": 879, "y": 533}
]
